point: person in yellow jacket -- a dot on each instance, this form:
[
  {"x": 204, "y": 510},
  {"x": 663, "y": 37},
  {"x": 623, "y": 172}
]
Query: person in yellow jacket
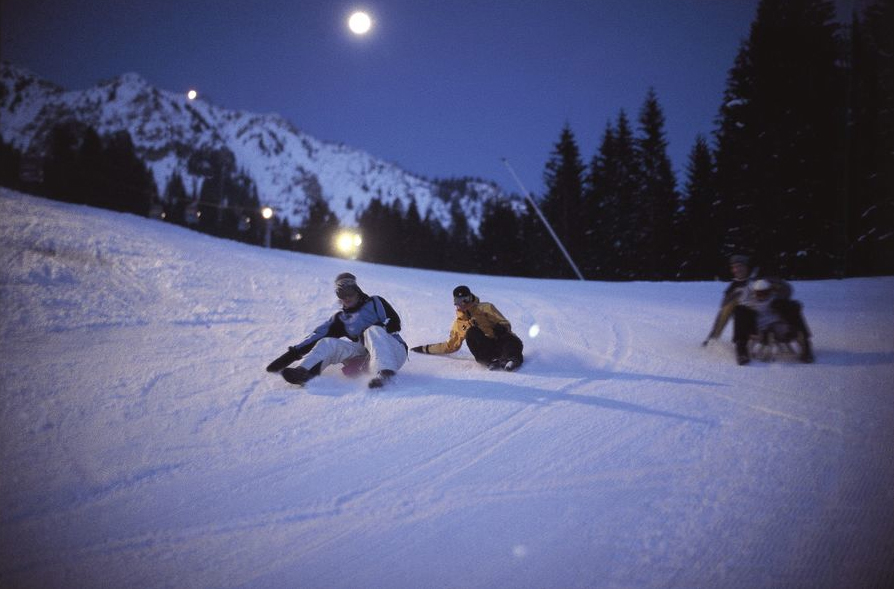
[{"x": 484, "y": 329}]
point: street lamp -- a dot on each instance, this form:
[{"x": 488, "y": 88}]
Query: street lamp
[
  {"x": 347, "y": 242},
  {"x": 267, "y": 214}
]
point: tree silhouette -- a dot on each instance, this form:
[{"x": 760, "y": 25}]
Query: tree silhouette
[
  {"x": 563, "y": 203},
  {"x": 657, "y": 200},
  {"x": 697, "y": 228},
  {"x": 779, "y": 158}
]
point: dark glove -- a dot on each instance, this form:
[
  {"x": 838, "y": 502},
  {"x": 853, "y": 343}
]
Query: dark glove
[
  {"x": 291, "y": 355},
  {"x": 420, "y": 349}
]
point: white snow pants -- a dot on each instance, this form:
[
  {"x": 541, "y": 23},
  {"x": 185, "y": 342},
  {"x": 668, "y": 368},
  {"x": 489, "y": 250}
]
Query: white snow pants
[{"x": 385, "y": 352}]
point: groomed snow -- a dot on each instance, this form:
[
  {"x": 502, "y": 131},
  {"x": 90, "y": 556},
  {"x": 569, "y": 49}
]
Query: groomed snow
[{"x": 142, "y": 444}]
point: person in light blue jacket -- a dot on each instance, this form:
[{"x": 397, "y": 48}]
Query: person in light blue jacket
[{"x": 364, "y": 335}]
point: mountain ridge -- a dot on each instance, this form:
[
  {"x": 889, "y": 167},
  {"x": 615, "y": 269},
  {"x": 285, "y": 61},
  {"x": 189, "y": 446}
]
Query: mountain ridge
[{"x": 290, "y": 168}]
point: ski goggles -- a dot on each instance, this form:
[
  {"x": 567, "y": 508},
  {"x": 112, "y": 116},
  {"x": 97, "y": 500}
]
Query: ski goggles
[{"x": 464, "y": 300}]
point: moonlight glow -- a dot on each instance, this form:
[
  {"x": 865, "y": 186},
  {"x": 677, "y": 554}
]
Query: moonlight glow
[
  {"x": 360, "y": 23},
  {"x": 192, "y": 94}
]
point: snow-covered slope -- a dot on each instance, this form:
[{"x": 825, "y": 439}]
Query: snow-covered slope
[
  {"x": 143, "y": 445},
  {"x": 289, "y": 167}
]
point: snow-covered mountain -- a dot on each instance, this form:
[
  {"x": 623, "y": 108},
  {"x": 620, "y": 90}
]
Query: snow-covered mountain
[{"x": 289, "y": 167}]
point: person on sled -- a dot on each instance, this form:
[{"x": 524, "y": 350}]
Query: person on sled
[
  {"x": 364, "y": 335},
  {"x": 484, "y": 329},
  {"x": 768, "y": 315},
  {"x": 743, "y": 275}
]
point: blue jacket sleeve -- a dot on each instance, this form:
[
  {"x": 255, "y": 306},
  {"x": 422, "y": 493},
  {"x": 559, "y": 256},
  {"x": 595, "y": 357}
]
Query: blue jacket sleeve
[{"x": 331, "y": 328}]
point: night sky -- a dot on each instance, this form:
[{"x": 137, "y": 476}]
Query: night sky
[{"x": 443, "y": 88}]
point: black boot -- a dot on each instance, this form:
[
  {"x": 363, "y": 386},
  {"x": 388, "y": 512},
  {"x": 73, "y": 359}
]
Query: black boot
[
  {"x": 298, "y": 375},
  {"x": 512, "y": 364},
  {"x": 495, "y": 364},
  {"x": 806, "y": 348},
  {"x": 382, "y": 377},
  {"x": 290, "y": 356},
  {"x": 742, "y": 356}
]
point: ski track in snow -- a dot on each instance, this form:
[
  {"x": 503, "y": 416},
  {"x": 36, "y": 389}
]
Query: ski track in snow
[{"x": 149, "y": 447}]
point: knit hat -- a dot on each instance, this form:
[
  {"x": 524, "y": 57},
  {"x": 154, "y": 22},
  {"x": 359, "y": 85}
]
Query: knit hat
[
  {"x": 739, "y": 259},
  {"x": 461, "y": 292},
  {"x": 346, "y": 284}
]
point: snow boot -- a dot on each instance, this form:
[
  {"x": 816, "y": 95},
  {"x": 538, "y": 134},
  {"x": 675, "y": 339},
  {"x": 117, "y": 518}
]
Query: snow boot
[
  {"x": 742, "y": 356},
  {"x": 495, "y": 364},
  {"x": 290, "y": 356},
  {"x": 382, "y": 377},
  {"x": 298, "y": 376},
  {"x": 512, "y": 364},
  {"x": 806, "y": 348}
]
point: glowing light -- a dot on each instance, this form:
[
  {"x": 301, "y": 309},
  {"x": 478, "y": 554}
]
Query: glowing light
[
  {"x": 348, "y": 243},
  {"x": 534, "y": 331},
  {"x": 267, "y": 213},
  {"x": 192, "y": 94},
  {"x": 360, "y": 23}
]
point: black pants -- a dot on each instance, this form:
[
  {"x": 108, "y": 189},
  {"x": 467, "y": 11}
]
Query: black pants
[
  {"x": 507, "y": 346},
  {"x": 745, "y": 319}
]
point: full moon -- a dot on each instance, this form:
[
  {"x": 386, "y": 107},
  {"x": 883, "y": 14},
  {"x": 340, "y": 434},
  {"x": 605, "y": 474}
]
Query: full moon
[{"x": 359, "y": 23}]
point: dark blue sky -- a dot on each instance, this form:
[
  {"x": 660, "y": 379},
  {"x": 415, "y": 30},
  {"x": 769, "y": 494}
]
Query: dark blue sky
[{"x": 443, "y": 88}]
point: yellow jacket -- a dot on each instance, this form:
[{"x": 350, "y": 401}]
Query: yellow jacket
[{"x": 483, "y": 315}]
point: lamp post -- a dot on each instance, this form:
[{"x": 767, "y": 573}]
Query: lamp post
[
  {"x": 267, "y": 213},
  {"x": 347, "y": 243}
]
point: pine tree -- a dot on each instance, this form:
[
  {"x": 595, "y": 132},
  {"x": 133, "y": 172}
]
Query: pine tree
[
  {"x": 10, "y": 165},
  {"x": 91, "y": 184},
  {"x": 697, "y": 230},
  {"x": 412, "y": 236},
  {"x": 778, "y": 158},
  {"x": 60, "y": 164},
  {"x": 176, "y": 199},
  {"x": 657, "y": 200},
  {"x": 563, "y": 203},
  {"x": 614, "y": 185},
  {"x": 392, "y": 233},
  {"x": 215, "y": 166},
  {"x": 600, "y": 210},
  {"x": 319, "y": 229},
  {"x": 499, "y": 248},
  {"x": 537, "y": 248},
  {"x": 241, "y": 217},
  {"x": 461, "y": 257},
  {"x": 371, "y": 224},
  {"x": 130, "y": 185},
  {"x": 437, "y": 251},
  {"x": 870, "y": 142}
]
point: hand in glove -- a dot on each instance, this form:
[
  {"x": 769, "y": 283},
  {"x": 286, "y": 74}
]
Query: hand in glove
[{"x": 291, "y": 355}]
